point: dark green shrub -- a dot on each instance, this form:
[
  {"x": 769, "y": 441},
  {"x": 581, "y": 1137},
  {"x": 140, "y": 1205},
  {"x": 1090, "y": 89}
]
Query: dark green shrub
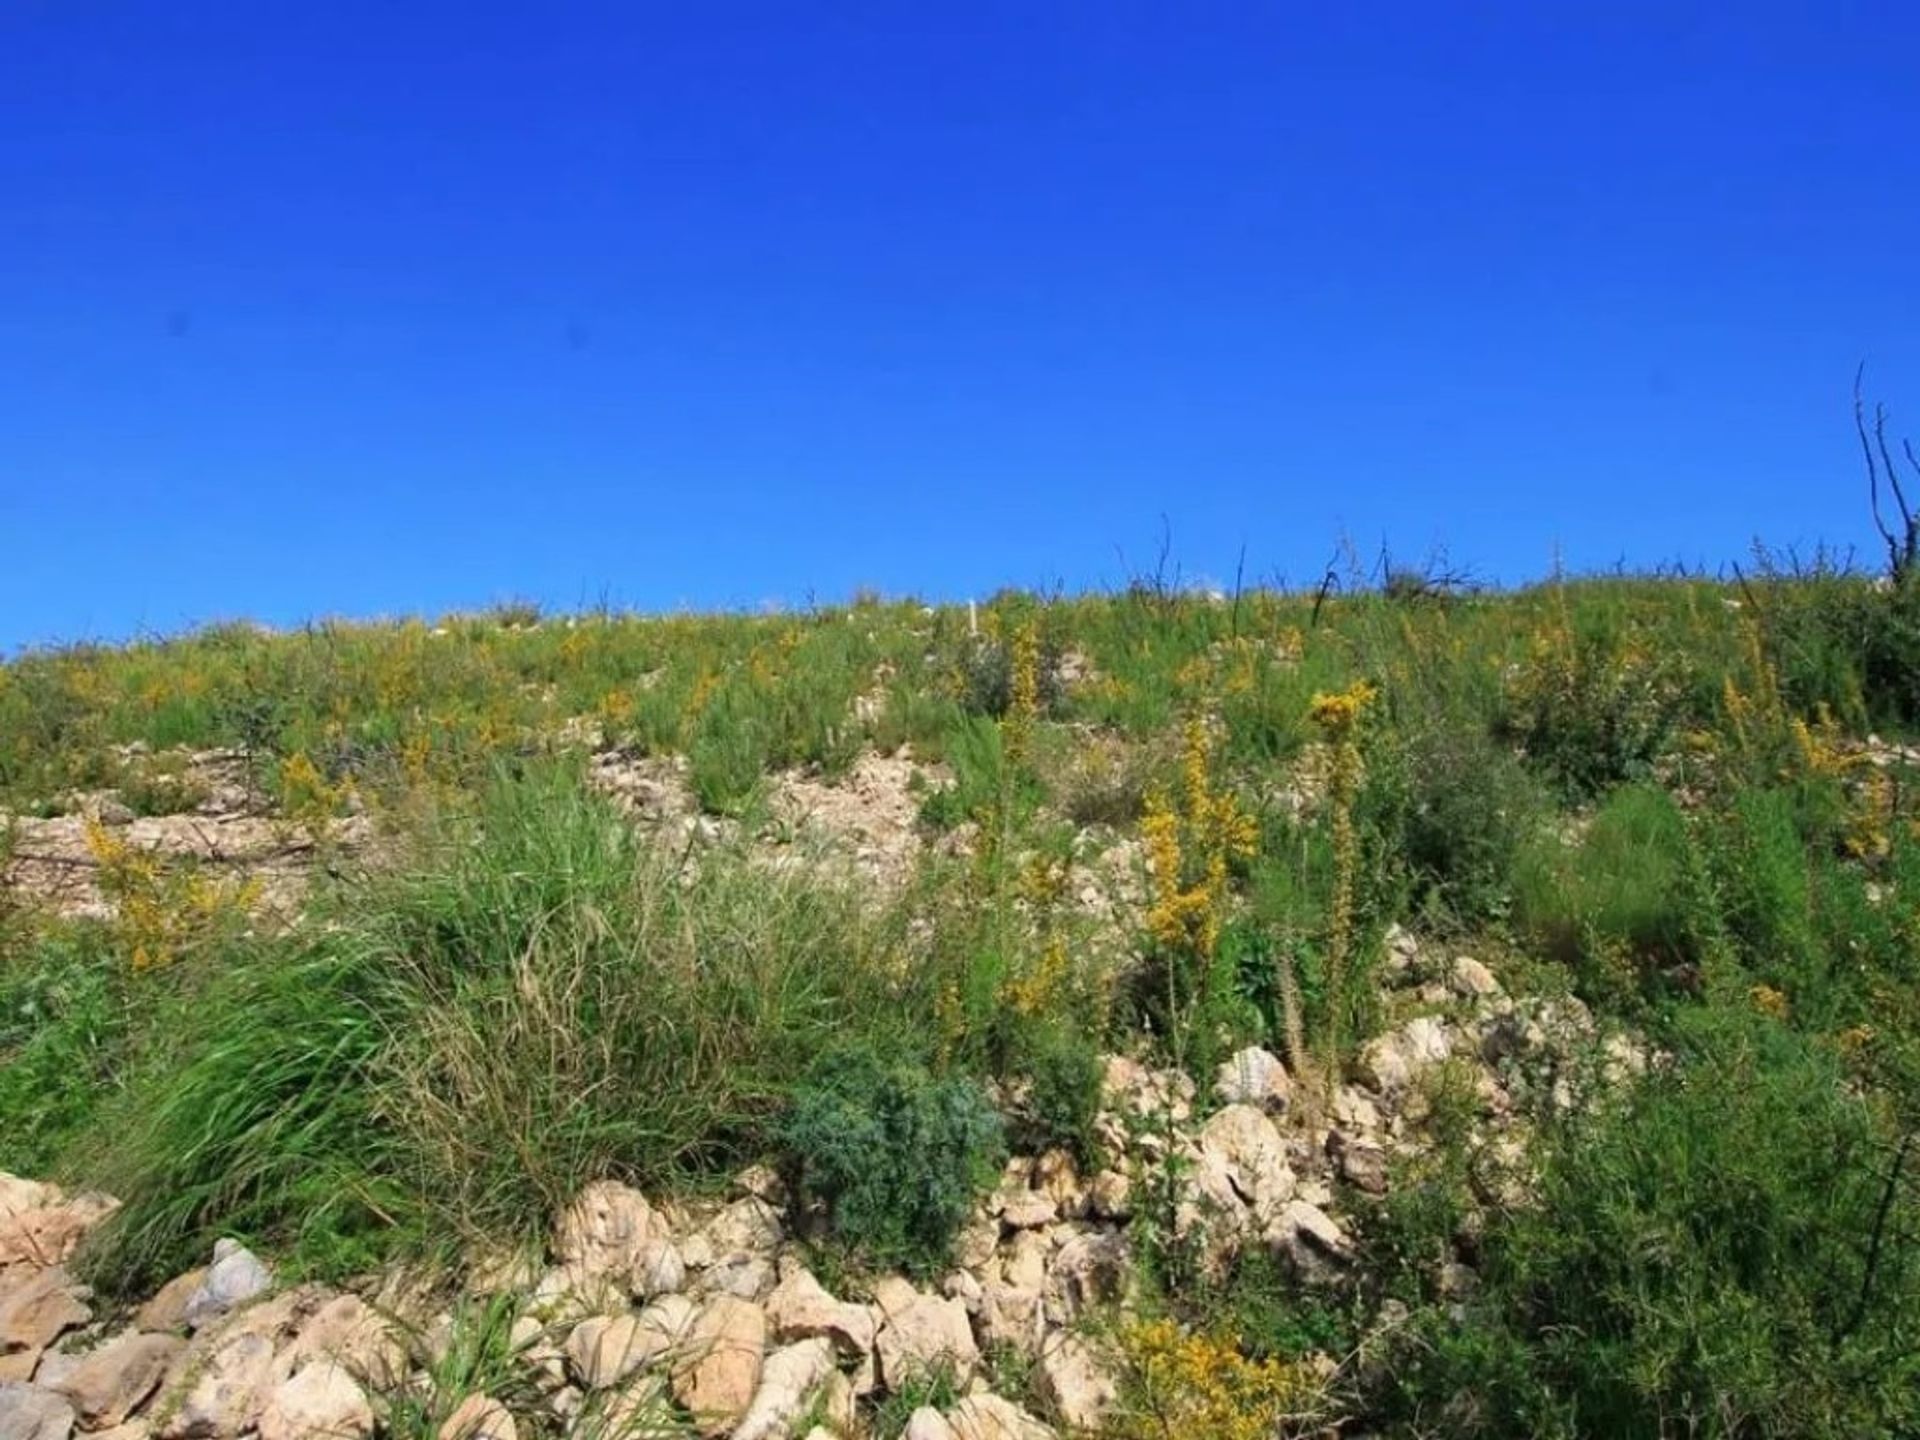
[
  {"x": 1720, "y": 1252},
  {"x": 1464, "y": 806},
  {"x": 893, "y": 1153},
  {"x": 1063, "y": 1073},
  {"x": 1623, "y": 904}
]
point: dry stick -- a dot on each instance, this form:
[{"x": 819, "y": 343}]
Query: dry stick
[{"x": 1879, "y": 1238}]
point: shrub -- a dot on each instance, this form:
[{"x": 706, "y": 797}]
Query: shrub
[
  {"x": 893, "y": 1154},
  {"x": 1592, "y": 706},
  {"x": 1463, "y": 806},
  {"x": 1726, "y": 1251},
  {"x": 1623, "y": 905}
]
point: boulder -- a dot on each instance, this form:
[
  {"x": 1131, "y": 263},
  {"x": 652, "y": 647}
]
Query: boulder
[
  {"x": 928, "y": 1335},
  {"x": 787, "y": 1379},
  {"x": 604, "y": 1350},
  {"x": 479, "y": 1417},
  {"x": 236, "y": 1276},
  {"x": 800, "y": 1308},
  {"x": 1242, "y": 1145},
  {"x": 1317, "y": 1247},
  {"x": 605, "y": 1231},
  {"x": 318, "y": 1402},
  {"x": 167, "y": 1309},
  {"x": 1254, "y": 1077},
  {"x": 1073, "y": 1381},
  {"x": 115, "y": 1380},
  {"x": 48, "y": 1233},
  {"x": 30, "y": 1413},
  {"x": 716, "y": 1378},
  {"x": 1471, "y": 980},
  {"x": 37, "y": 1311},
  {"x": 354, "y": 1335},
  {"x": 220, "y": 1401}
]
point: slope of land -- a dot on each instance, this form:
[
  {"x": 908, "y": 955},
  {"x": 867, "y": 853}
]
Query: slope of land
[{"x": 1138, "y": 1015}]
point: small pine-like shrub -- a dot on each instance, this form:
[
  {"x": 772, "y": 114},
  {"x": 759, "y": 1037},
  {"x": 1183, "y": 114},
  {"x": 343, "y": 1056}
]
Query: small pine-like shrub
[{"x": 892, "y": 1153}]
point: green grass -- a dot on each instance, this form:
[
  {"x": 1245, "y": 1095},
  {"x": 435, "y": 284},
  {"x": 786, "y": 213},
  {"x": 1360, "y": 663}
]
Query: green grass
[{"x": 1647, "y": 792}]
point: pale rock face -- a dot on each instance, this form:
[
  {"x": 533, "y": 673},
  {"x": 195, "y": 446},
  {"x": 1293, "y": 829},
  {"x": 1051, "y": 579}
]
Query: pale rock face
[
  {"x": 603, "y": 1350},
  {"x": 787, "y": 1379},
  {"x": 167, "y": 1310},
  {"x": 479, "y": 1417},
  {"x": 37, "y": 1311},
  {"x": 222, "y": 1398},
  {"x": 800, "y": 1308},
  {"x": 987, "y": 1417},
  {"x": 1110, "y": 1196},
  {"x": 927, "y": 1423},
  {"x": 742, "y": 1275},
  {"x": 605, "y": 1231},
  {"x": 1472, "y": 980},
  {"x": 1245, "y": 1147},
  {"x": 1254, "y": 1077},
  {"x": 1073, "y": 1381},
  {"x": 29, "y": 1413},
  {"x": 720, "y": 1371},
  {"x": 235, "y": 1277},
  {"x": 112, "y": 1382},
  {"x": 1309, "y": 1237},
  {"x": 1012, "y": 1317},
  {"x": 930, "y": 1334},
  {"x": 352, "y": 1333},
  {"x": 319, "y": 1402},
  {"x": 48, "y": 1233}
]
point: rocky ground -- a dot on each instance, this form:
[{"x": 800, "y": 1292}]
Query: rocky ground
[{"x": 642, "y": 1316}]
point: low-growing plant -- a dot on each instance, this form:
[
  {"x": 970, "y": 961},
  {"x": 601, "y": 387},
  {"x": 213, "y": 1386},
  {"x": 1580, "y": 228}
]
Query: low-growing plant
[{"x": 893, "y": 1154}]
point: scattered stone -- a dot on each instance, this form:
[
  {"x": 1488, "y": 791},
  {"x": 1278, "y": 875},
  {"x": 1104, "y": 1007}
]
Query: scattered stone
[
  {"x": 112, "y": 1382},
  {"x": 220, "y": 1400},
  {"x": 1071, "y": 1379},
  {"x": 1310, "y": 1239},
  {"x": 1254, "y": 1077},
  {"x": 789, "y": 1376},
  {"x": 604, "y": 1350},
  {"x": 717, "y": 1377},
  {"x": 353, "y": 1334},
  {"x": 800, "y": 1308},
  {"x": 167, "y": 1310},
  {"x": 657, "y": 1269},
  {"x": 987, "y": 1417},
  {"x": 1363, "y": 1164},
  {"x": 319, "y": 1402},
  {"x": 927, "y": 1423},
  {"x": 1471, "y": 980},
  {"x": 479, "y": 1417},
  {"x": 1242, "y": 1146},
  {"x": 928, "y": 1335},
  {"x": 235, "y": 1277},
  {"x": 34, "y": 1313},
  {"x": 605, "y": 1230}
]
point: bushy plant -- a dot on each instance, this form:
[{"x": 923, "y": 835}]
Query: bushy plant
[
  {"x": 1623, "y": 903},
  {"x": 1726, "y": 1250},
  {"x": 892, "y": 1153}
]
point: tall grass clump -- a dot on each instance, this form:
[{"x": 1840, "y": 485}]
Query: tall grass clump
[{"x": 544, "y": 998}]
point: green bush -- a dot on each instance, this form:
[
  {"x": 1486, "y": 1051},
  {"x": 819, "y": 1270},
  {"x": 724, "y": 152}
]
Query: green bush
[
  {"x": 1623, "y": 905},
  {"x": 453, "y": 1050},
  {"x": 894, "y": 1154},
  {"x": 1464, "y": 806},
  {"x": 1725, "y": 1251}
]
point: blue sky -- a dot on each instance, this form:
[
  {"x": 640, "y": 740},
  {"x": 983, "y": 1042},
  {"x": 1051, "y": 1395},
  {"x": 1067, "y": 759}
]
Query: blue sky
[{"x": 366, "y": 308}]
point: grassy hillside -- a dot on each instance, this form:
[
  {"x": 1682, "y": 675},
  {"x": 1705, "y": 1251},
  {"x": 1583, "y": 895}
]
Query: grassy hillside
[{"x": 378, "y": 941}]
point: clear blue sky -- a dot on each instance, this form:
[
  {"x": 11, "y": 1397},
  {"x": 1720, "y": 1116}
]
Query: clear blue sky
[{"x": 361, "y": 308}]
